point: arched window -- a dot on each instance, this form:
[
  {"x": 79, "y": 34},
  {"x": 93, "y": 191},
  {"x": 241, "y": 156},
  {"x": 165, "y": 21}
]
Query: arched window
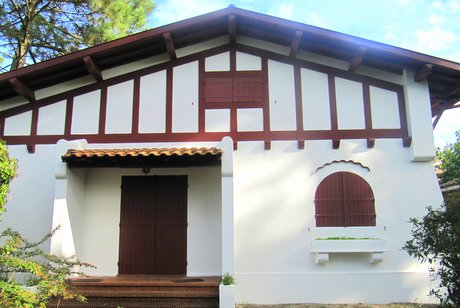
[{"x": 344, "y": 199}]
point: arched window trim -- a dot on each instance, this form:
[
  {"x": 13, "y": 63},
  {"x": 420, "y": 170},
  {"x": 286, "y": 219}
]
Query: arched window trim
[{"x": 344, "y": 199}]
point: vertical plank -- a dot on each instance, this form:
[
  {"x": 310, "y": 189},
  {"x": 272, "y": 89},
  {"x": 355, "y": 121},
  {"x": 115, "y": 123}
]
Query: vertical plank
[
  {"x": 103, "y": 111},
  {"x": 68, "y": 118},
  {"x": 169, "y": 94},
  {"x": 136, "y": 95}
]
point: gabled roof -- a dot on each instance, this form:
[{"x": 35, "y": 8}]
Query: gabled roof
[{"x": 443, "y": 75}]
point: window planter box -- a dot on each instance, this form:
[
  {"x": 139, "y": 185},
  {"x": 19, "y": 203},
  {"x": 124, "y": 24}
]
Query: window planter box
[
  {"x": 226, "y": 296},
  {"x": 323, "y": 247}
]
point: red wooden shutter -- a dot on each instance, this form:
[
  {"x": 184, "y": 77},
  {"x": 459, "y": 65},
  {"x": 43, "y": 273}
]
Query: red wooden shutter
[
  {"x": 218, "y": 90},
  {"x": 344, "y": 199},
  {"x": 247, "y": 89}
]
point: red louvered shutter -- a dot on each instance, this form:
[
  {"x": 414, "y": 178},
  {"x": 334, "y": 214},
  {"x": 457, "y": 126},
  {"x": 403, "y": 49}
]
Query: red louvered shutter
[
  {"x": 247, "y": 89},
  {"x": 344, "y": 199},
  {"x": 218, "y": 90}
]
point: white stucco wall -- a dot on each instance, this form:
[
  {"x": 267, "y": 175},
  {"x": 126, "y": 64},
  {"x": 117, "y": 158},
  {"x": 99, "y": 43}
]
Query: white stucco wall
[
  {"x": 51, "y": 119},
  {"x": 281, "y": 96},
  {"x": 119, "y": 108},
  {"x": 30, "y": 201},
  {"x": 152, "y": 108},
  {"x": 315, "y": 100},
  {"x": 274, "y": 223},
  {"x": 85, "y": 113},
  {"x": 18, "y": 125},
  {"x": 185, "y": 98}
]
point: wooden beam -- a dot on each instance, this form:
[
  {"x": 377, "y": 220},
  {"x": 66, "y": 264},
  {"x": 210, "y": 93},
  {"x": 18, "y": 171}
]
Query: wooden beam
[
  {"x": 267, "y": 145},
  {"x": 370, "y": 142},
  {"x": 438, "y": 117},
  {"x": 407, "y": 142},
  {"x": 357, "y": 59},
  {"x": 335, "y": 144},
  {"x": 455, "y": 91},
  {"x": 23, "y": 90},
  {"x": 423, "y": 72},
  {"x": 30, "y": 148},
  {"x": 170, "y": 45},
  {"x": 301, "y": 144},
  {"x": 92, "y": 68},
  {"x": 232, "y": 29},
  {"x": 295, "y": 44}
]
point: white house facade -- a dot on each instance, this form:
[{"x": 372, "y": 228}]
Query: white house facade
[{"x": 289, "y": 156}]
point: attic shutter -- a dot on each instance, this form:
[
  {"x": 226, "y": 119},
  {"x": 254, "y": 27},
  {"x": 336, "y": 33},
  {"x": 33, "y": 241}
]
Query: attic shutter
[
  {"x": 233, "y": 89},
  {"x": 344, "y": 199},
  {"x": 247, "y": 89},
  {"x": 218, "y": 90}
]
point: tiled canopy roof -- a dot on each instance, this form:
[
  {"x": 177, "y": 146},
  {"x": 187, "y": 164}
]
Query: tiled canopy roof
[
  {"x": 141, "y": 156},
  {"x": 140, "y": 152}
]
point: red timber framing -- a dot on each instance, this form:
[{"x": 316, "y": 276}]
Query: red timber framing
[{"x": 266, "y": 135}]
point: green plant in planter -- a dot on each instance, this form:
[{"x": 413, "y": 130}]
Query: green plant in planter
[{"x": 228, "y": 280}]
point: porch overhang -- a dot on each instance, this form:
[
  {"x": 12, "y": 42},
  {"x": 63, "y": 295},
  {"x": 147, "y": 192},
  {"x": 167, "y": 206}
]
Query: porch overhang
[{"x": 143, "y": 157}]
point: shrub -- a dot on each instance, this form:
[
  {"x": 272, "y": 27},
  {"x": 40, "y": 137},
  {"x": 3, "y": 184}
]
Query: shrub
[
  {"x": 21, "y": 259},
  {"x": 436, "y": 240}
]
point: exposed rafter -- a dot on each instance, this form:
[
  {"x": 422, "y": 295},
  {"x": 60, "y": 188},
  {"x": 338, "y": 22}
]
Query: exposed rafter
[
  {"x": 357, "y": 59},
  {"x": 455, "y": 91},
  {"x": 170, "y": 45},
  {"x": 232, "y": 28},
  {"x": 423, "y": 72},
  {"x": 335, "y": 144},
  {"x": 92, "y": 68},
  {"x": 407, "y": 141},
  {"x": 438, "y": 117},
  {"x": 22, "y": 89},
  {"x": 370, "y": 142},
  {"x": 295, "y": 44}
]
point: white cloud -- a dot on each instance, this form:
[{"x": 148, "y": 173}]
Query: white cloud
[
  {"x": 285, "y": 10},
  {"x": 315, "y": 19},
  {"x": 452, "y": 5},
  {"x": 436, "y": 19},
  {"x": 391, "y": 32},
  {"x": 408, "y": 4},
  {"x": 167, "y": 12},
  {"x": 455, "y": 56},
  {"x": 434, "y": 39}
]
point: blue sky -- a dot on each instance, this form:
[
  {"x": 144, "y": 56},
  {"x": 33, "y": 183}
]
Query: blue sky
[{"x": 430, "y": 27}]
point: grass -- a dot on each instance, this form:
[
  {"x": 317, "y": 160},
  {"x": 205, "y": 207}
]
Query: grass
[
  {"x": 345, "y": 238},
  {"x": 401, "y": 305}
]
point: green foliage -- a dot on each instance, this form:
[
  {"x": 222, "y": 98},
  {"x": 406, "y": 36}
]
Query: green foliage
[
  {"x": 20, "y": 258},
  {"x": 228, "y": 280},
  {"x": 436, "y": 240},
  {"x": 450, "y": 161},
  {"x": 7, "y": 173},
  {"x": 35, "y": 30}
]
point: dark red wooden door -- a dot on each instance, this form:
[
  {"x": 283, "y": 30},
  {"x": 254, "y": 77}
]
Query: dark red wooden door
[{"x": 153, "y": 225}]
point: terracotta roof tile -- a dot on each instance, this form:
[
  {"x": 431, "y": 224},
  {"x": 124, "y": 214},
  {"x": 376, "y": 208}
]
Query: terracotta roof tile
[{"x": 146, "y": 152}]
